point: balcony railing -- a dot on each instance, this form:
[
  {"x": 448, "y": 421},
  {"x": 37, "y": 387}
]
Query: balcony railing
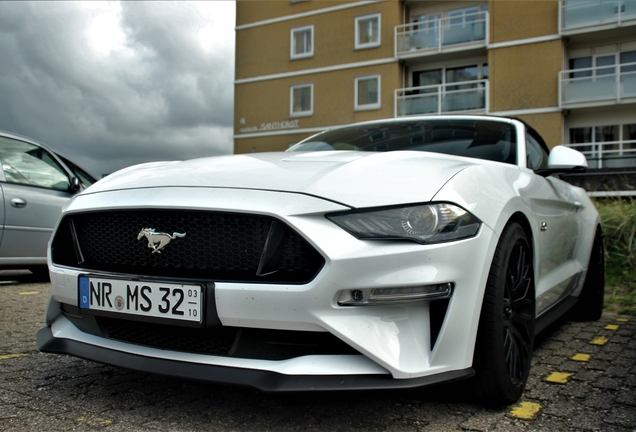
[
  {"x": 580, "y": 14},
  {"x": 611, "y": 154},
  {"x": 597, "y": 85},
  {"x": 469, "y": 96},
  {"x": 445, "y": 34}
]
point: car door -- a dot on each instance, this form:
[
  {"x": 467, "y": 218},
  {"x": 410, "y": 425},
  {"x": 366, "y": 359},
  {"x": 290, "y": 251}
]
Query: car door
[
  {"x": 35, "y": 186},
  {"x": 556, "y": 209}
]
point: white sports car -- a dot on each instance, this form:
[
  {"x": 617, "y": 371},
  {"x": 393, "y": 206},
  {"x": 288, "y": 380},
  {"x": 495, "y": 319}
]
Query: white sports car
[{"x": 388, "y": 254}]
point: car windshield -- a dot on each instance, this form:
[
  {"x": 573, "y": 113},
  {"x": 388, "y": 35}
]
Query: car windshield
[{"x": 481, "y": 139}]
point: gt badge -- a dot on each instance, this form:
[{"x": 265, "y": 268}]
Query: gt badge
[{"x": 157, "y": 240}]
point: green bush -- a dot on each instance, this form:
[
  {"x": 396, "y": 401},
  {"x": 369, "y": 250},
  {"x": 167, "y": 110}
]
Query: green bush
[{"x": 618, "y": 217}]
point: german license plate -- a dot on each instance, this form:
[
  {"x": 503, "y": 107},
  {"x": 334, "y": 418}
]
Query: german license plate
[{"x": 181, "y": 302}]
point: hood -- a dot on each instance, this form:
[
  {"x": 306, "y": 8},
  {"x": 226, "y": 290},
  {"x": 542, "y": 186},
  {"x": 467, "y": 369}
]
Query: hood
[{"x": 355, "y": 179}]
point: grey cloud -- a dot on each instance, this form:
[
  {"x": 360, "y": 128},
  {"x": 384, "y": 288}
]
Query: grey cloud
[{"x": 162, "y": 97}]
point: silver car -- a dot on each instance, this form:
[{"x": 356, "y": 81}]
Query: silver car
[{"x": 35, "y": 183}]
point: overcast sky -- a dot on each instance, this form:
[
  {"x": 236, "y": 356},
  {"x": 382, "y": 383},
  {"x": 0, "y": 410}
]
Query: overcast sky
[{"x": 111, "y": 84}]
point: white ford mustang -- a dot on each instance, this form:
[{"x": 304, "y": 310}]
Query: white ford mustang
[{"x": 388, "y": 254}]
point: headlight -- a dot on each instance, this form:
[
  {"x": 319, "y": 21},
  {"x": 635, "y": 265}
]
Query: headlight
[{"x": 424, "y": 223}]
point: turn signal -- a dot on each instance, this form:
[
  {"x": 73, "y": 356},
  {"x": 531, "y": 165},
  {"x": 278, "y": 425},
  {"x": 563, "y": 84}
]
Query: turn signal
[{"x": 380, "y": 296}]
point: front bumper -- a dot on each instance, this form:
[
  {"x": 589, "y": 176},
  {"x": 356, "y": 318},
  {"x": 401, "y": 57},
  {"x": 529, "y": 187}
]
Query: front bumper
[
  {"x": 395, "y": 342},
  {"x": 264, "y": 380}
]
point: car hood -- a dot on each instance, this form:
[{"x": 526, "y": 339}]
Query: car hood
[{"x": 355, "y": 179}]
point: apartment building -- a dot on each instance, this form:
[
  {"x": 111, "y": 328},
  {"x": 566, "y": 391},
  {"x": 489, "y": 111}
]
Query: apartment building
[{"x": 568, "y": 68}]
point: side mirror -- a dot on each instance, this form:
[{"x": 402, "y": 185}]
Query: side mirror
[
  {"x": 566, "y": 157},
  {"x": 564, "y": 160},
  {"x": 75, "y": 184}
]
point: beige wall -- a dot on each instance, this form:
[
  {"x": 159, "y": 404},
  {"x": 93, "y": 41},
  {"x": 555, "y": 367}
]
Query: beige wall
[
  {"x": 333, "y": 98},
  {"x": 267, "y": 143},
  {"x": 522, "y": 19},
  {"x": 251, "y": 11},
  {"x": 549, "y": 126},
  {"x": 265, "y": 50},
  {"x": 525, "y": 76}
]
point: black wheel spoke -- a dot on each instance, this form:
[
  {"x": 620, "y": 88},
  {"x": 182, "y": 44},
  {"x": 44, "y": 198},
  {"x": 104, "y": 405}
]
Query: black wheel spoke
[{"x": 518, "y": 311}]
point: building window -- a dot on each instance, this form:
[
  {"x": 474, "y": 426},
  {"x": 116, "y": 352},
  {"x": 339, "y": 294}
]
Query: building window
[
  {"x": 302, "y": 42},
  {"x": 600, "y": 64},
  {"x": 446, "y": 90},
  {"x": 607, "y": 145},
  {"x": 465, "y": 16},
  {"x": 367, "y": 31},
  {"x": 427, "y": 23},
  {"x": 593, "y": 135},
  {"x": 301, "y": 100},
  {"x": 367, "y": 92},
  {"x": 463, "y": 74},
  {"x": 628, "y": 58}
]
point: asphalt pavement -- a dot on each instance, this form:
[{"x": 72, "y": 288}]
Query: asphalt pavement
[{"x": 583, "y": 378}]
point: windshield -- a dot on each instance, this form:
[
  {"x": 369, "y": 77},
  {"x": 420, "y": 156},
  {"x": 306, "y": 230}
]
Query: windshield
[{"x": 481, "y": 139}]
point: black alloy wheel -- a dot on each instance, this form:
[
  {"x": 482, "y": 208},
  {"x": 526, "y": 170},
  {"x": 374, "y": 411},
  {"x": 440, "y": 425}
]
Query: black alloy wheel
[
  {"x": 505, "y": 337},
  {"x": 518, "y": 312}
]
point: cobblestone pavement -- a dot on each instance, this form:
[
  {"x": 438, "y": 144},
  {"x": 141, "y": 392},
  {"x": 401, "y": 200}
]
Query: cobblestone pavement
[{"x": 583, "y": 378}]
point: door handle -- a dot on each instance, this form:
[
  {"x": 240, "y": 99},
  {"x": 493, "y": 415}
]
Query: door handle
[
  {"x": 578, "y": 205},
  {"x": 18, "y": 202}
]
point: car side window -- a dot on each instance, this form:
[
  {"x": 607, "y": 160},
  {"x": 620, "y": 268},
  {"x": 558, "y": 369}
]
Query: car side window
[
  {"x": 28, "y": 164},
  {"x": 536, "y": 156}
]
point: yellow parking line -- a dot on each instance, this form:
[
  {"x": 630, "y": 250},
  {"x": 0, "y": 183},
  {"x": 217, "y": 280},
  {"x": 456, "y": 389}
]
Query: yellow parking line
[
  {"x": 92, "y": 420},
  {"x": 612, "y": 327},
  {"x": 558, "y": 377},
  {"x": 525, "y": 410},
  {"x": 10, "y": 356},
  {"x": 623, "y": 320},
  {"x": 599, "y": 341},
  {"x": 29, "y": 293},
  {"x": 581, "y": 357}
]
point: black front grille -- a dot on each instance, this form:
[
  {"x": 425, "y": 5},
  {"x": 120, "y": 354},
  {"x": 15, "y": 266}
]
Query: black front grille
[{"x": 216, "y": 246}]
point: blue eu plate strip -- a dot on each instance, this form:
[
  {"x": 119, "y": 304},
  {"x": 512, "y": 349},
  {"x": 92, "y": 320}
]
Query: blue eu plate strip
[{"x": 84, "y": 292}]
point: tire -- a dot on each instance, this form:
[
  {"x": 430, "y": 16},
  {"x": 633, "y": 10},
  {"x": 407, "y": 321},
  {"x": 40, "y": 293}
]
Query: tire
[
  {"x": 505, "y": 337},
  {"x": 590, "y": 304}
]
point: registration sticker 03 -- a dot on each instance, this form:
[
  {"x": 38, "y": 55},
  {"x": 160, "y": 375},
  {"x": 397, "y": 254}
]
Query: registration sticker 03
[{"x": 172, "y": 301}]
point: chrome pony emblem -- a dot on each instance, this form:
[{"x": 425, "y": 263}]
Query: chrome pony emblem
[{"x": 157, "y": 240}]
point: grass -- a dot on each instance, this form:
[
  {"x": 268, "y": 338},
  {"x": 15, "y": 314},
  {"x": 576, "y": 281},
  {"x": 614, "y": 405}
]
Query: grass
[{"x": 618, "y": 217}]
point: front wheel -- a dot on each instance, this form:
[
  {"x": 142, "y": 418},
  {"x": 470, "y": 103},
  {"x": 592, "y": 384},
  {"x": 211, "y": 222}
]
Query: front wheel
[{"x": 505, "y": 336}]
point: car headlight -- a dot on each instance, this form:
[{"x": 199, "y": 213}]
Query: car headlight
[{"x": 422, "y": 223}]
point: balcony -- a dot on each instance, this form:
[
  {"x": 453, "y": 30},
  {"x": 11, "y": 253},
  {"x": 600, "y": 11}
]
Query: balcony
[
  {"x": 596, "y": 86},
  {"x": 584, "y": 15},
  {"x": 468, "y": 97},
  {"x": 611, "y": 154},
  {"x": 444, "y": 35}
]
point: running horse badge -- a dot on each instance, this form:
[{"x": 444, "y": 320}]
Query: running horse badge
[{"x": 157, "y": 240}]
